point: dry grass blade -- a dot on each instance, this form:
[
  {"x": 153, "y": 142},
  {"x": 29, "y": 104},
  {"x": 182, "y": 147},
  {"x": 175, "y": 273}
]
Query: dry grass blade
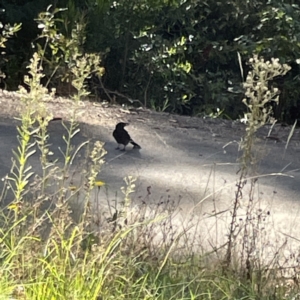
[
  {"x": 290, "y": 135},
  {"x": 241, "y": 66}
]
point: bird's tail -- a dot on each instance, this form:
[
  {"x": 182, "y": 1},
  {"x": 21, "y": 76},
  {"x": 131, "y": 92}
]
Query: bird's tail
[{"x": 135, "y": 145}]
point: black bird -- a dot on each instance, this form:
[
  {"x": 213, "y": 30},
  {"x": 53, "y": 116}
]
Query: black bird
[{"x": 123, "y": 137}]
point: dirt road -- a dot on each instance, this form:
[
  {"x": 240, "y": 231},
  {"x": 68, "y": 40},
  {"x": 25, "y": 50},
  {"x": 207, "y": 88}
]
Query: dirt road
[{"x": 188, "y": 160}]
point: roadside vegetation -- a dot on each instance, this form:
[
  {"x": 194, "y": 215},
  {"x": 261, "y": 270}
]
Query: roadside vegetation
[
  {"x": 47, "y": 253},
  {"x": 174, "y": 56}
]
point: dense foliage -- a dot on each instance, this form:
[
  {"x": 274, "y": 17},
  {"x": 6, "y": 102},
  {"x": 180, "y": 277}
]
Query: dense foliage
[{"x": 179, "y": 56}]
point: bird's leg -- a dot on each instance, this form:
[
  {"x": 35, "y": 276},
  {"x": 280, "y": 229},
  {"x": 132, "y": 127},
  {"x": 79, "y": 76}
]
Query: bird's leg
[
  {"x": 118, "y": 147},
  {"x": 123, "y": 148}
]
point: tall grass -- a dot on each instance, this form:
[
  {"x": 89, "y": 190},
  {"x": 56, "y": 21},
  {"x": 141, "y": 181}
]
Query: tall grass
[
  {"x": 258, "y": 99},
  {"x": 46, "y": 253}
]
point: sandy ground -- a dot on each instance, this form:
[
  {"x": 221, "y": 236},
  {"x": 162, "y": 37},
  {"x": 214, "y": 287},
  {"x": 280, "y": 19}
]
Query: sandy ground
[{"x": 191, "y": 161}]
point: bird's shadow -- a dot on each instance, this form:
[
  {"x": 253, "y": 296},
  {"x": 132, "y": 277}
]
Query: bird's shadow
[{"x": 132, "y": 152}]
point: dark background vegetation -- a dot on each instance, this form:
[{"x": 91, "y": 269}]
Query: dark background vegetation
[{"x": 171, "y": 55}]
